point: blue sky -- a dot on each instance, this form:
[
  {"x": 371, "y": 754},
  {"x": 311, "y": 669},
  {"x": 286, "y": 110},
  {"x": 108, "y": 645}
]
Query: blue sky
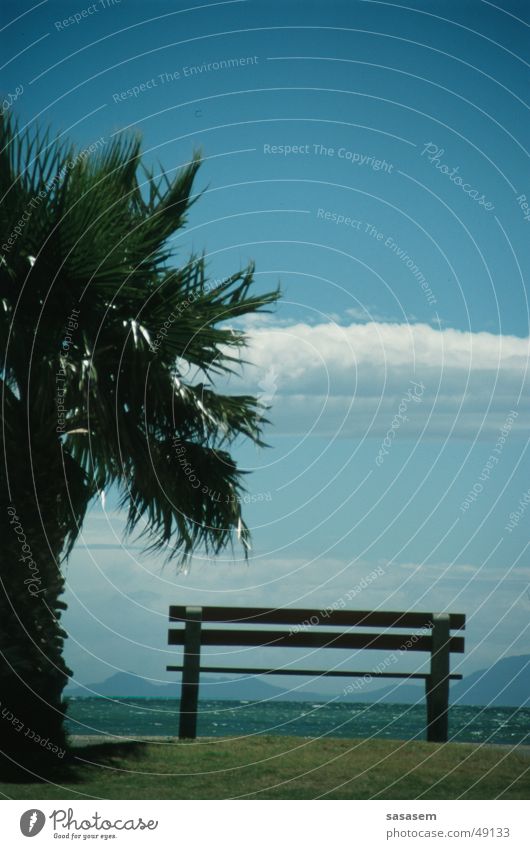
[{"x": 370, "y": 157}]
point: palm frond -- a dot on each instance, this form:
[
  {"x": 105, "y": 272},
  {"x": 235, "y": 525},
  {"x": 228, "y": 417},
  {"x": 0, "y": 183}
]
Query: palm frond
[{"x": 100, "y": 241}]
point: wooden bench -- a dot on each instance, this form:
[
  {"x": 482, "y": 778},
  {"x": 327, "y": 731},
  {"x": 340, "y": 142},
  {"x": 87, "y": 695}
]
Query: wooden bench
[{"x": 307, "y": 632}]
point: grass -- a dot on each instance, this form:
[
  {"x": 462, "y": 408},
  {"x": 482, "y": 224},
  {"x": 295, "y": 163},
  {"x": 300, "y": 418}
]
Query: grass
[{"x": 284, "y": 768}]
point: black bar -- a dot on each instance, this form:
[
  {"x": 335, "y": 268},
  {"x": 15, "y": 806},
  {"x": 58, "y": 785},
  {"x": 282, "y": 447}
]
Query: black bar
[
  {"x": 312, "y": 639},
  {"x": 303, "y": 616},
  {"x": 189, "y": 691},
  {"x": 437, "y": 685},
  {"x": 310, "y": 673}
]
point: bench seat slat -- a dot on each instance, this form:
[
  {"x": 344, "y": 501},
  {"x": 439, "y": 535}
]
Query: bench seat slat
[
  {"x": 299, "y": 616},
  {"x": 310, "y": 673},
  {"x": 312, "y": 639}
]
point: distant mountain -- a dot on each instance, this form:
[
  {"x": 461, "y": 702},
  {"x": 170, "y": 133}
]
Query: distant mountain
[
  {"x": 123, "y": 685},
  {"x": 249, "y": 688},
  {"x": 505, "y": 684}
]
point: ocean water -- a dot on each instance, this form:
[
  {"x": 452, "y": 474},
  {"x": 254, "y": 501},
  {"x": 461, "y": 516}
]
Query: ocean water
[{"x": 159, "y": 717}]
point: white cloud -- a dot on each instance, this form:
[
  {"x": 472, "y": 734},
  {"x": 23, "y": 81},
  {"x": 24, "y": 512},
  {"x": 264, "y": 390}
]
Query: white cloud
[{"x": 349, "y": 380}]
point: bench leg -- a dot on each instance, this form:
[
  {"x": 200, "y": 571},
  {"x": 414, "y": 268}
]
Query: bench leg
[
  {"x": 437, "y": 684},
  {"x": 437, "y": 713},
  {"x": 189, "y": 693}
]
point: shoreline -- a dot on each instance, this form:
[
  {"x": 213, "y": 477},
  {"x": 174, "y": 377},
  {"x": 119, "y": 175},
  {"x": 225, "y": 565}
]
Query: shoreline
[{"x": 79, "y": 740}]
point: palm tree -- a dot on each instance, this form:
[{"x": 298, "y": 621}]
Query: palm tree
[{"x": 97, "y": 329}]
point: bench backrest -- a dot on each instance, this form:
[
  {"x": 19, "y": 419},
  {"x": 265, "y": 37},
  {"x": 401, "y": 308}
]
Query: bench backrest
[{"x": 307, "y": 631}]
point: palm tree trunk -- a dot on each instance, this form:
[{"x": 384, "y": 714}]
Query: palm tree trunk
[{"x": 32, "y": 670}]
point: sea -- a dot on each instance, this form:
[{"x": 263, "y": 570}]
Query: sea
[{"x": 145, "y": 717}]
